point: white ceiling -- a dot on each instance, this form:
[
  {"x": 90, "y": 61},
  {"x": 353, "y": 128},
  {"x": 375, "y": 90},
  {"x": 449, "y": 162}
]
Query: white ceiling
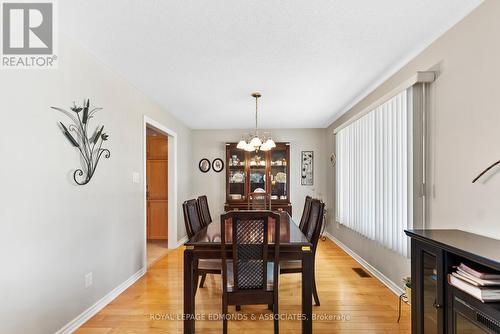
[{"x": 311, "y": 60}]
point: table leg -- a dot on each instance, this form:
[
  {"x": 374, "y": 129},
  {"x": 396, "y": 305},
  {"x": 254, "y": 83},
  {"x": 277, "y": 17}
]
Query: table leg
[
  {"x": 307, "y": 277},
  {"x": 188, "y": 292}
]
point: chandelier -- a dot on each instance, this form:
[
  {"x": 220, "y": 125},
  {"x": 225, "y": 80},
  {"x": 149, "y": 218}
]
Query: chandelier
[{"x": 254, "y": 142}]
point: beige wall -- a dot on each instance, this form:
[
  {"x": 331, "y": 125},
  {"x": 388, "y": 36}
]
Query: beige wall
[
  {"x": 53, "y": 232},
  {"x": 211, "y": 144},
  {"x": 464, "y": 134}
]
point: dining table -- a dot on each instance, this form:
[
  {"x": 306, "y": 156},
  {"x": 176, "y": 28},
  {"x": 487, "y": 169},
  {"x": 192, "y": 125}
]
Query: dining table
[{"x": 206, "y": 244}]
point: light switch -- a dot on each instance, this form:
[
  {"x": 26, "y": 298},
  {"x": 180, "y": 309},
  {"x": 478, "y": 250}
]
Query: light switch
[
  {"x": 88, "y": 280},
  {"x": 136, "y": 177}
]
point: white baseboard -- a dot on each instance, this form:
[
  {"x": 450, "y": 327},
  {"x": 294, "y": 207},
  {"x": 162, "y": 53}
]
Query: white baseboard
[
  {"x": 182, "y": 241},
  {"x": 374, "y": 271},
  {"x": 74, "y": 324}
]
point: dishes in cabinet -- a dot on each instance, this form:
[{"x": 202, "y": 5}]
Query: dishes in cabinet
[
  {"x": 280, "y": 177},
  {"x": 235, "y": 197},
  {"x": 236, "y": 162},
  {"x": 257, "y": 162},
  {"x": 238, "y": 177},
  {"x": 259, "y": 190},
  {"x": 256, "y": 178}
]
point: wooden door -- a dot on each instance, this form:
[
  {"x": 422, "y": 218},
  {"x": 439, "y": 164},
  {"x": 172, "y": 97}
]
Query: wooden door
[{"x": 157, "y": 187}]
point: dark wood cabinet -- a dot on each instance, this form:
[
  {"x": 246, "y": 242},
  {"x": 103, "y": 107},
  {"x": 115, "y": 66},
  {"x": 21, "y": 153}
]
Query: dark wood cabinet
[
  {"x": 427, "y": 288},
  {"x": 437, "y": 306},
  {"x": 249, "y": 172}
]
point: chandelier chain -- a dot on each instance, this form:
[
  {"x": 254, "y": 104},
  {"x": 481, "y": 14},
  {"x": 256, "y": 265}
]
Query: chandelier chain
[{"x": 256, "y": 116}]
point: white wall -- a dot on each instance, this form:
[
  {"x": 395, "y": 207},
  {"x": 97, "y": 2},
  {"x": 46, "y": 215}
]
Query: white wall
[
  {"x": 52, "y": 232},
  {"x": 464, "y": 134},
  {"x": 211, "y": 144}
]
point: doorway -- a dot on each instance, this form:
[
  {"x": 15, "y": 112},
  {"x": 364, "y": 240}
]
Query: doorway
[
  {"x": 156, "y": 194},
  {"x": 160, "y": 190}
]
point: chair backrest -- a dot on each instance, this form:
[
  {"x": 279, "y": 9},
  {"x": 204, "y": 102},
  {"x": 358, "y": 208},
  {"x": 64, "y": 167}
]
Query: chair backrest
[
  {"x": 249, "y": 245},
  {"x": 204, "y": 210},
  {"x": 192, "y": 218},
  {"x": 305, "y": 214},
  {"x": 315, "y": 222},
  {"x": 259, "y": 201}
]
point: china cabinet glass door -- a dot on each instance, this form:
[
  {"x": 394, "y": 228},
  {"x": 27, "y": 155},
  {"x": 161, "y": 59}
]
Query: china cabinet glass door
[
  {"x": 278, "y": 175},
  {"x": 257, "y": 164},
  {"x": 237, "y": 174}
]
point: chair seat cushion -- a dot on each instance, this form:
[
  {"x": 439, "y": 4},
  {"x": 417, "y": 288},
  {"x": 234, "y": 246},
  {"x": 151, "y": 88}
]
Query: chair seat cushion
[
  {"x": 291, "y": 264},
  {"x": 230, "y": 276},
  {"x": 209, "y": 264}
]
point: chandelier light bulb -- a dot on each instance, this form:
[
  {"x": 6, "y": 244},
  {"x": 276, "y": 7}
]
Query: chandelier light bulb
[
  {"x": 241, "y": 144},
  {"x": 249, "y": 148},
  {"x": 270, "y": 143},
  {"x": 265, "y": 147},
  {"x": 256, "y": 142}
]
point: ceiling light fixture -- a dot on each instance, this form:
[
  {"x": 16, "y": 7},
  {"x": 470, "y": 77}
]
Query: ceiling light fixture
[{"x": 254, "y": 142}]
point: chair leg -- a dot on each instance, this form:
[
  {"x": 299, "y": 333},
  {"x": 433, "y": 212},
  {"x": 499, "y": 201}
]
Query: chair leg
[
  {"x": 276, "y": 318},
  {"x": 195, "y": 281},
  {"x": 315, "y": 291},
  {"x": 238, "y": 307},
  {"x": 270, "y": 307},
  {"x": 202, "y": 282},
  {"x": 224, "y": 316}
]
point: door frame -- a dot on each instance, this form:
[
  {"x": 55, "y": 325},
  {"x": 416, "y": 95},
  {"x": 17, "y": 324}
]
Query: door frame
[{"x": 172, "y": 182}]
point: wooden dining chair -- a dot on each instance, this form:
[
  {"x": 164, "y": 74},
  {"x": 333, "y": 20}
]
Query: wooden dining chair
[
  {"x": 192, "y": 217},
  {"x": 248, "y": 278},
  {"x": 259, "y": 201},
  {"x": 305, "y": 214},
  {"x": 204, "y": 210},
  {"x": 193, "y": 223},
  {"x": 312, "y": 232}
]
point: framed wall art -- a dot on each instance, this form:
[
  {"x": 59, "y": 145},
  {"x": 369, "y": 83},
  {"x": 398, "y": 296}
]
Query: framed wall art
[
  {"x": 218, "y": 165},
  {"x": 204, "y": 165},
  {"x": 307, "y": 168}
]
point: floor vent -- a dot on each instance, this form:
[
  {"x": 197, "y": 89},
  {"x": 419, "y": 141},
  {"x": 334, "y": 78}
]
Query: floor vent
[{"x": 361, "y": 272}]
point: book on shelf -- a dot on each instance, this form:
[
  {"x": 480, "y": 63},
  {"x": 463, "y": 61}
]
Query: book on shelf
[
  {"x": 483, "y": 272},
  {"x": 475, "y": 280},
  {"x": 484, "y": 294}
]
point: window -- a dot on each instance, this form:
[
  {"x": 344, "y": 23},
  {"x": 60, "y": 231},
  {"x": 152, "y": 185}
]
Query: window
[{"x": 374, "y": 173}]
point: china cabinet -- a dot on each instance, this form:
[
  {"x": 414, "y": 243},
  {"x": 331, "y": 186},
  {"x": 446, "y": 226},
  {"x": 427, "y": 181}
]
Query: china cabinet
[{"x": 261, "y": 171}]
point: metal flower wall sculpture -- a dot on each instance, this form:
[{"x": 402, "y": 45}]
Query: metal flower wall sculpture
[{"x": 90, "y": 147}]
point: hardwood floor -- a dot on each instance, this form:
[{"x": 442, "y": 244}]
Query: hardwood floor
[
  {"x": 150, "y": 304},
  {"x": 156, "y": 249}
]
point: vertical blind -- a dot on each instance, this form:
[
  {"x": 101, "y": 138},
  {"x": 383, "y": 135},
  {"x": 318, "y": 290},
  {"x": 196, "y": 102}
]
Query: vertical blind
[{"x": 374, "y": 174}]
